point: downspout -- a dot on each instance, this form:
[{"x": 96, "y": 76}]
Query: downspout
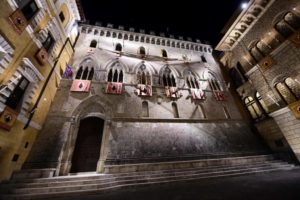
[{"x": 32, "y": 111}]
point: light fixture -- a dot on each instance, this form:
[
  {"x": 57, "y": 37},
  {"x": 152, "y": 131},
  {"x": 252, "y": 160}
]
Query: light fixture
[{"x": 244, "y": 5}]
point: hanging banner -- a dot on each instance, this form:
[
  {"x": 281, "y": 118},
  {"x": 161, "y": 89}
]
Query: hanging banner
[
  {"x": 172, "y": 92},
  {"x": 114, "y": 88},
  {"x": 42, "y": 56},
  {"x": 219, "y": 95},
  {"x": 198, "y": 94},
  {"x": 80, "y": 86},
  {"x": 18, "y": 21},
  {"x": 7, "y": 118},
  {"x": 68, "y": 72},
  {"x": 144, "y": 90}
]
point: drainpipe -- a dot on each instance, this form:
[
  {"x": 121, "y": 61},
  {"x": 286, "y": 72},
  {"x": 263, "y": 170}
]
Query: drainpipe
[{"x": 48, "y": 79}]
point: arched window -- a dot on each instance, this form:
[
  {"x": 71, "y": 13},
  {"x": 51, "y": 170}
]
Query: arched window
[
  {"x": 85, "y": 74},
  {"x": 142, "y": 51},
  {"x": 214, "y": 84},
  {"x": 143, "y": 76},
  {"x": 261, "y": 102},
  {"x": 145, "y": 109},
  {"x": 168, "y": 79},
  {"x": 14, "y": 100},
  {"x": 79, "y": 73},
  {"x": 175, "y": 110},
  {"x": 226, "y": 113},
  {"x": 191, "y": 80},
  {"x": 125, "y": 37},
  {"x": 252, "y": 107},
  {"x": 120, "y": 36},
  {"x": 119, "y": 47},
  {"x": 288, "y": 25},
  {"x": 293, "y": 86},
  {"x": 91, "y": 74},
  {"x": 285, "y": 93},
  {"x": 164, "y": 53},
  {"x": 115, "y": 73},
  {"x": 203, "y": 59},
  {"x": 93, "y": 44}
]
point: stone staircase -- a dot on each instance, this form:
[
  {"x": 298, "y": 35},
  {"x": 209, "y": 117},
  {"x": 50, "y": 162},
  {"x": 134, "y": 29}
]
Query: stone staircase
[{"x": 133, "y": 175}]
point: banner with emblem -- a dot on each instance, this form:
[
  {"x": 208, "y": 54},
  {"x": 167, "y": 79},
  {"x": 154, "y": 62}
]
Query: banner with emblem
[
  {"x": 114, "y": 88},
  {"x": 144, "y": 90},
  {"x": 7, "y": 118},
  {"x": 198, "y": 94},
  {"x": 219, "y": 95},
  {"x": 18, "y": 21},
  {"x": 80, "y": 86},
  {"x": 172, "y": 92}
]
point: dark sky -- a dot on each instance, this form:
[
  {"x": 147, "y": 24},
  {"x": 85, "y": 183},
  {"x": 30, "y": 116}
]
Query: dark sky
[{"x": 198, "y": 19}]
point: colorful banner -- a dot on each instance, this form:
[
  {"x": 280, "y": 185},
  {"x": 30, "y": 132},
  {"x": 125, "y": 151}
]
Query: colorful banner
[
  {"x": 7, "y": 118},
  {"x": 68, "y": 72},
  {"x": 219, "y": 95},
  {"x": 144, "y": 90},
  {"x": 80, "y": 86},
  {"x": 172, "y": 92},
  {"x": 198, "y": 94},
  {"x": 114, "y": 88}
]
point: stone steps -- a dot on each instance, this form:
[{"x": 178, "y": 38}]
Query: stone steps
[
  {"x": 95, "y": 183},
  {"x": 75, "y": 180}
]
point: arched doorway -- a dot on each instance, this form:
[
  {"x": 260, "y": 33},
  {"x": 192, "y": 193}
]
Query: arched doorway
[{"x": 88, "y": 143}]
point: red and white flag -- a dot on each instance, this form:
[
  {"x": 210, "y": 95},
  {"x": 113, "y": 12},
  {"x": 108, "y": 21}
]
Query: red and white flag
[
  {"x": 172, "y": 92},
  {"x": 198, "y": 93},
  {"x": 114, "y": 88},
  {"x": 144, "y": 90},
  {"x": 219, "y": 95},
  {"x": 80, "y": 86}
]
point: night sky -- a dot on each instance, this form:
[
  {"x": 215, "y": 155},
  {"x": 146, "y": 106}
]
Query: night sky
[{"x": 201, "y": 19}]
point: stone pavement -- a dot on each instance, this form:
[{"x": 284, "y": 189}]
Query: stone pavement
[{"x": 282, "y": 185}]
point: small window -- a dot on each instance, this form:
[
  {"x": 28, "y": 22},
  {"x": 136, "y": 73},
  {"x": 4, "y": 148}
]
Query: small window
[
  {"x": 164, "y": 53},
  {"x": 252, "y": 107},
  {"x": 26, "y": 145},
  {"x": 175, "y": 110},
  {"x": 28, "y": 7},
  {"x": 118, "y": 47},
  {"x": 145, "y": 109},
  {"x": 203, "y": 59},
  {"x": 48, "y": 43},
  {"x": 93, "y": 44},
  {"x": 61, "y": 16},
  {"x": 142, "y": 51},
  {"x": 15, "y": 158},
  {"x": 16, "y": 96}
]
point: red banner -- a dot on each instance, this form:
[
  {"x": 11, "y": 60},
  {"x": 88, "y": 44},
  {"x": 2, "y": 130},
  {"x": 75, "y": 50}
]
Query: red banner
[
  {"x": 219, "y": 95},
  {"x": 18, "y": 21},
  {"x": 114, "y": 88},
  {"x": 144, "y": 90},
  {"x": 198, "y": 93},
  {"x": 80, "y": 86},
  {"x": 172, "y": 92},
  {"x": 7, "y": 118}
]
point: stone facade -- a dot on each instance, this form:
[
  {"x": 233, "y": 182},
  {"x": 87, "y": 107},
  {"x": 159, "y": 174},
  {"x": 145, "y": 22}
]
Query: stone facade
[
  {"x": 140, "y": 129},
  {"x": 261, "y": 53}
]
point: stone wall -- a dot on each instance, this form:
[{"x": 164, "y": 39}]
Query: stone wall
[{"x": 290, "y": 127}]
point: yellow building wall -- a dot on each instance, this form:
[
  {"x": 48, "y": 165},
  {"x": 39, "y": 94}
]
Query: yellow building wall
[{"x": 14, "y": 141}]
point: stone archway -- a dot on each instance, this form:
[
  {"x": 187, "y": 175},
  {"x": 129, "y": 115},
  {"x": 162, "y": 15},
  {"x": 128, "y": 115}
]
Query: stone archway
[
  {"x": 88, "y": 144},
  {"x": 92, "y": 107}
]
